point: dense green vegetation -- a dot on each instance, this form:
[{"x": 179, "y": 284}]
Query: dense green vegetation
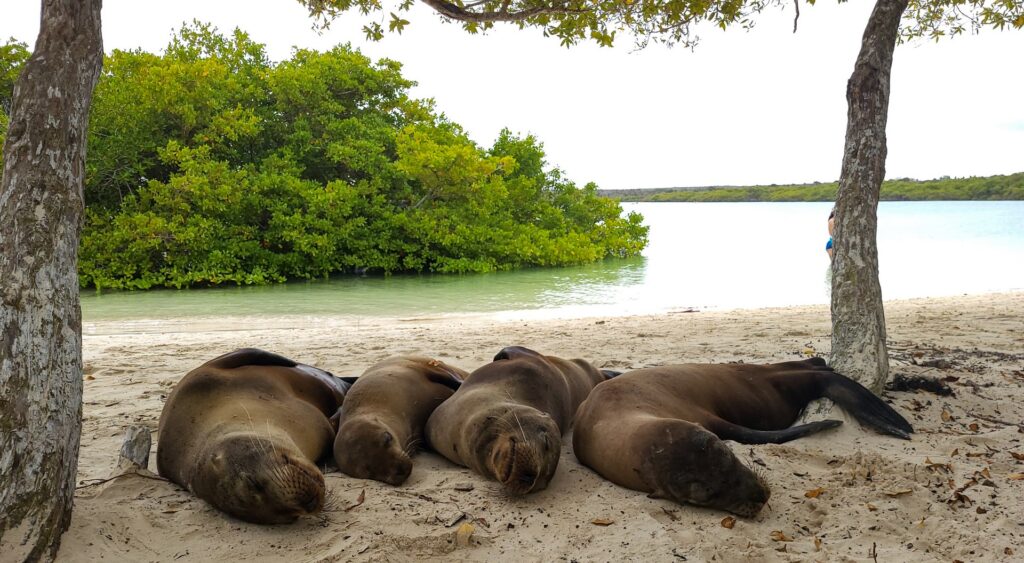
[
  {"x": 209, "y": 164},
  {"x": 988, "y": 188}
]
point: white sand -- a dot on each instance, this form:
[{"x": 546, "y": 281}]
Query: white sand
[{"x": 881, "y": 496}]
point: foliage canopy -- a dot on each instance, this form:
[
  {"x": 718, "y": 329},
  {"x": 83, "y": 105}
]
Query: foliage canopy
[
  {"x": 664, "y": 21},
  {"x": 208, "y": 164}
]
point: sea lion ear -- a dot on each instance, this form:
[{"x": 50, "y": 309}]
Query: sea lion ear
[{"x": 388, "y": 438}]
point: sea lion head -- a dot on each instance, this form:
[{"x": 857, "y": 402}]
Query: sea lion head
[
  {"x": 367, "y": 449},
  {"x": 519, "y": 446},
  {"x": 705, "y": 472},
  {"x": 258, "y": 479}
]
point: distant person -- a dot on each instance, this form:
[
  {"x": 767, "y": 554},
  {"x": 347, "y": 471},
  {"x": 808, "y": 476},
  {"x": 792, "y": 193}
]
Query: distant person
[{"x": 831, "y": 226}]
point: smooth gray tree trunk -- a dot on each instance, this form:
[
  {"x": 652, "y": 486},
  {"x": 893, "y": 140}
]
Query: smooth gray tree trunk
[
  {"x": 41, "y": 208},
  {"x": 858, "y": 319}
]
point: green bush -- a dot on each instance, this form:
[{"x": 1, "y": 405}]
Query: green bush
[{"x": 210, "y": 165}]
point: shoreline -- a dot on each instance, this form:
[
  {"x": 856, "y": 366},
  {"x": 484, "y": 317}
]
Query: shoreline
[
  {"x": 302, "y": 320},
  {"x": 130, "y": 367}
]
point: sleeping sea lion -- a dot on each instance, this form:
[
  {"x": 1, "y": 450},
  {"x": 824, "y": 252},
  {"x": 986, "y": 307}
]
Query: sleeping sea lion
[
  {"x": 660, "y": 430},
  {"x": 381, "y": 422},
  {"x": 507, "y": 419},
  {"x": 244, "y": 431}
]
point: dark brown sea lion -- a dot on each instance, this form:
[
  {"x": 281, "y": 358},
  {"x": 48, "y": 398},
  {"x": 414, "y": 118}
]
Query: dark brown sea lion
[
  {"x": 660, "y": 430},
  {"x": 381, "y": 422},
  {"x": 507, "y": 419},
  {"x": 244, "y": 432}
]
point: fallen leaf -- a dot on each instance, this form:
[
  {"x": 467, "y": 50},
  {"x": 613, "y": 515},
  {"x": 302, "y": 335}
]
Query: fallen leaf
[
  {"x": 933, "y": 466},
  {"x": 602, "y": 522},
  {"x": 778, "y": 535},
  {"x": 463, "y": 534},
  {"x": 973, "y": 426},
  {"x": 728, "y": 522},
  {"x": 808, "y": 352},
  {"x": 871, "y": 507},
  {"x": 980, "y": 510},
  {"x": 359, "y": 501},
  {"x": 899, "y": 492},
  {"x": 1008, "y": 551},
  {"x": 817, "y": 543},
  {"x": 946, "y": 416},
  {"x": 814, "y": 493},
  {"x": 955, "y": 452},
  {"x": 1016, "y": 476},
  {"x": 1017, "y": 456},
  {"x": 986, "y": 473},
  {"x": 89, "y": 378}
]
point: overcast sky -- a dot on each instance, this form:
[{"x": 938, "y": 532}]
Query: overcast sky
[{"x": 765, "y": 106}]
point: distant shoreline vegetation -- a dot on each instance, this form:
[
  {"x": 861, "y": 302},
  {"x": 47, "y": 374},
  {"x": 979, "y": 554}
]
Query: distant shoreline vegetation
[
  {"x": 1009, "y": 187},
  {"x": 209, "y": 164}
]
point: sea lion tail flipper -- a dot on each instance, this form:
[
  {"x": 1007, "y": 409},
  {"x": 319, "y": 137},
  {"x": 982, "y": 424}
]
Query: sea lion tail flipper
[
  {"x": 610, "y": 373},
  {"x": 729, "y": 431},
  {"x": 866, "y": 407}
]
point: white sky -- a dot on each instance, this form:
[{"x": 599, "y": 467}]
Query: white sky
[{"x": 766, "y": 106}]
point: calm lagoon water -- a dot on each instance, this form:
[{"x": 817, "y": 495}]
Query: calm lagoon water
[{"x": 701, "y": 255}]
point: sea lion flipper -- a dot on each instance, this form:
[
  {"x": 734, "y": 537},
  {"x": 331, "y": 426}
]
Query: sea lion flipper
[
  {"x": 448, "y": 379},
  {"x": 250, "y": 357},
  {"x": 610, "y": 373},
  {"x": 866, "y": 407},
  {"x": 350, "y": 379},
  {"x": 729, "y": 431}
]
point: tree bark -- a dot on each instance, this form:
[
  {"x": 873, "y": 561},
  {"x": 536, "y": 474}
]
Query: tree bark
[
  {"x": 858, "y": 318},
  {"x": 41, "y": 208}
]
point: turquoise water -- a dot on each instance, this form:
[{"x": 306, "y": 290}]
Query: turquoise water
[{"x": 701, "y": 255}]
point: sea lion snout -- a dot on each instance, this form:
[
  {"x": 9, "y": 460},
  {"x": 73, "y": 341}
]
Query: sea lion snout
[
  {"x": 524, "y": 452},
  {"x": 270, "y": 489},
  {"x": 367, "y": 449}
]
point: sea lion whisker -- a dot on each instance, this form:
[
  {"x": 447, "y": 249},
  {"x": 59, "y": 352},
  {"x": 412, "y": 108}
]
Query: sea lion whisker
[
  {"x": 270, "y": 441},
  {"x": 412, "y": 446},
  {"x": 523, "y": 432},
  {"x": 254, "y": 433}
]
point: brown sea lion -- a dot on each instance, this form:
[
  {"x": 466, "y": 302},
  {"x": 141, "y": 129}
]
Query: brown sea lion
[
  {"x": 660, "y": 430},
  {"x": 507, "y": 419},
  {"x": 381, "y": 422},
  {"x": 244, "y": 432}
]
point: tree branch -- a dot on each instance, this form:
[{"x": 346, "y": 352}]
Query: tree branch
[{"x": 449, "y": 10}]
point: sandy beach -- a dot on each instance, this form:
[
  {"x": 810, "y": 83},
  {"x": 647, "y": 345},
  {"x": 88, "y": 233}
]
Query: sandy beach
[{"x": 955, "y": 492}]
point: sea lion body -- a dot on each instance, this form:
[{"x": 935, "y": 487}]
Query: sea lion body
[
  {"x": 660, "y": 430},
  {"x": 244, "y": 432},
  {"x": 507, "y": 419},
  {"x": 382, "y": 420}
]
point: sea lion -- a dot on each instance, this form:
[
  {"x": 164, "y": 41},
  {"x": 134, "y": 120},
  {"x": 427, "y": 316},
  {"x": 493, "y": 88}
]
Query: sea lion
[
  {"x": 244, "y": 431},
  {"x": 660, "y": 429},
  {"x": 381, "y": 422},
  {"x": 506, "y": 421}
]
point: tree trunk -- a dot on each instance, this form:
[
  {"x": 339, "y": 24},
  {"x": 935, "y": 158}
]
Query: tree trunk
[
  {"x": 41, "y": 210},
  {"x": 858, "y": 319}
]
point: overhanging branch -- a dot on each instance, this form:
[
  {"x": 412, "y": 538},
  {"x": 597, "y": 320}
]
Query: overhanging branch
[{"x": 461, "y": 13}]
